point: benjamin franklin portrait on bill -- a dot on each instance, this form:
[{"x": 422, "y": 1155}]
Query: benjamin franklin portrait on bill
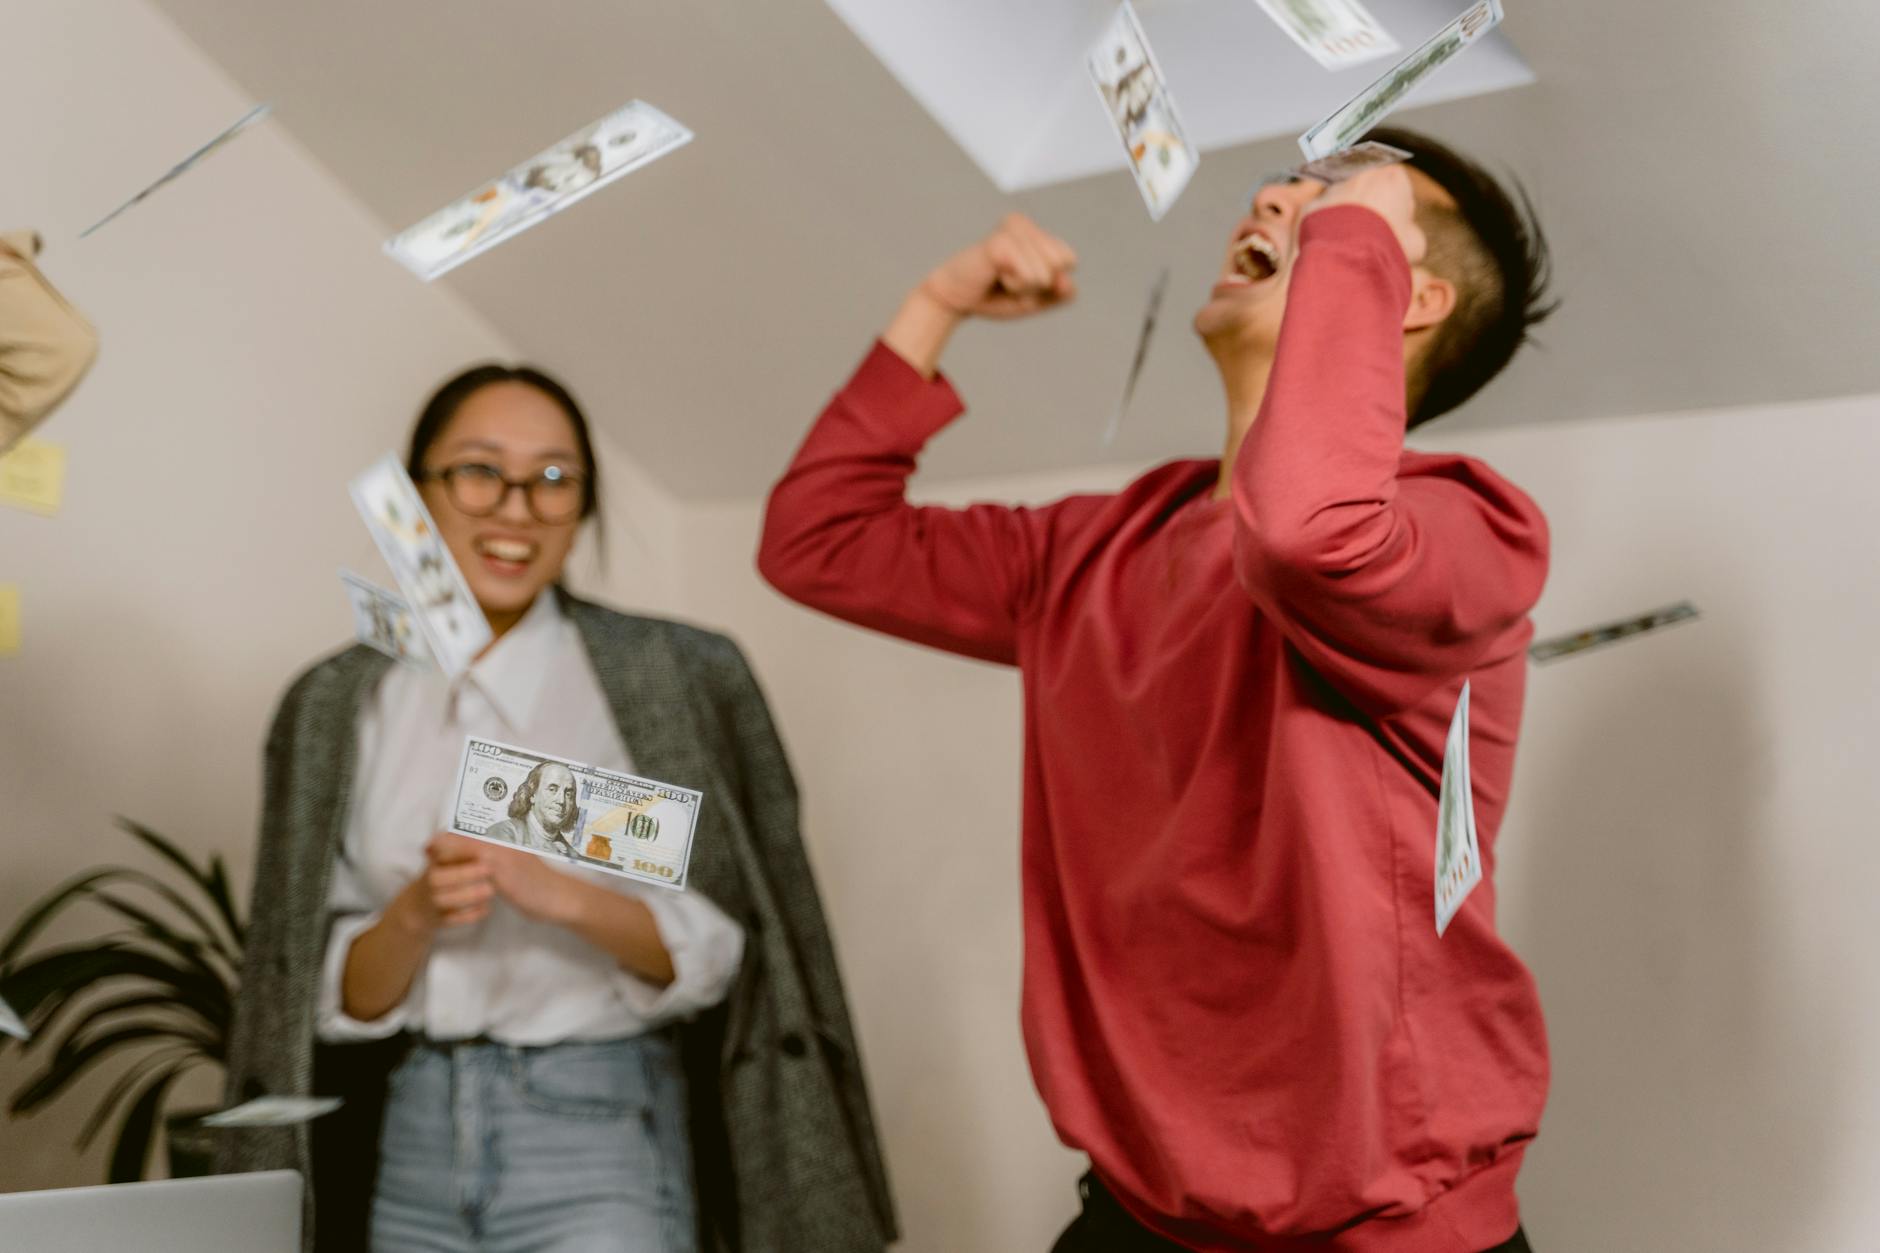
[{"x": 543, "y": 814}]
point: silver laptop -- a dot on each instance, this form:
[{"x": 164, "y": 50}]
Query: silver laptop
[{"x": 255, "y": 1213}]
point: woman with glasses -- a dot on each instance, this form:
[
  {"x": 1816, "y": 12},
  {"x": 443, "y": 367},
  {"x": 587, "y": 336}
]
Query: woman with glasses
[{"x": 536, "y": 1056}]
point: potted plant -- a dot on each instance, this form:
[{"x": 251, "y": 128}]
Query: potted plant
[{"x": 159, "y": 988}]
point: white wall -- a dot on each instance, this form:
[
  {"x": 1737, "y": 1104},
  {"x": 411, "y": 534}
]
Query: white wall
[
  {"x": 257, "y": 351},
  {"x": 1687, "y": 864}
]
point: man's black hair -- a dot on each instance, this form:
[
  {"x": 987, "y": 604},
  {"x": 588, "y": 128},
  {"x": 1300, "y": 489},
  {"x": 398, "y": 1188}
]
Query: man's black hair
[{"x": 1491, "y": 247}]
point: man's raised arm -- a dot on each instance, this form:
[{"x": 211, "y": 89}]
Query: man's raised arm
[
  {"x": 839, "y": 534},
  {"x": 1390, "y": 586}
]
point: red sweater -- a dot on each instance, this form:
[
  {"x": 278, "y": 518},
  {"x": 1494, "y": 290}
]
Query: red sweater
[{"x": 1235, "y": 1000}]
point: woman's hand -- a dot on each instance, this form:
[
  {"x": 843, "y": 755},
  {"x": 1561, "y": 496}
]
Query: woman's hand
[
  {"x": 454, "y": 890},
  {"x": 536, "y": 889},
  {"x": 465, "y": 875},
  {"x": 620, "y": 926}
]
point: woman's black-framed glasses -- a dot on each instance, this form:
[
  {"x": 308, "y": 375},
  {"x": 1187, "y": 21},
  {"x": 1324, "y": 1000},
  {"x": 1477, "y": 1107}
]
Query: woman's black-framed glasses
[{"x": 554, "y": 495}]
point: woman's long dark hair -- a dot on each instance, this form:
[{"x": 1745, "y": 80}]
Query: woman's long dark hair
[{"x": 444, "y": 403}]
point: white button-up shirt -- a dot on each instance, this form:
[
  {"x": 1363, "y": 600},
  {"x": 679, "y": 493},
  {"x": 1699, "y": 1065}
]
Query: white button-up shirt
[{"x": 509, "y": 977}]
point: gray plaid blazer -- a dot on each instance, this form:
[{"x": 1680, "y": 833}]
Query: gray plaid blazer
[{"x": 787, "y": 1156}]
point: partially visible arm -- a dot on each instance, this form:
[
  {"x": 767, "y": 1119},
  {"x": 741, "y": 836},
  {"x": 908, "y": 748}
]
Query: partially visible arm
[
  {"x": 920, "y": 331},
  {"x": 381, "y": 963},
  {"x": 620, "y": 926},
  {"x": 1389, "y": 586},
  {"x": 453, "y": 891},
  {"x": 840, "y": 535},
  {"x": 45, "y": 344}
]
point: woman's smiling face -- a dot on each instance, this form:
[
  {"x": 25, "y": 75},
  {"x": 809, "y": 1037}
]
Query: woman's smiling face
[{"x": 507, "y": 433}]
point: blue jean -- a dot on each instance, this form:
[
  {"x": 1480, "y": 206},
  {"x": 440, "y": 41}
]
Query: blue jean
[{"x": 569, "y": 1148}]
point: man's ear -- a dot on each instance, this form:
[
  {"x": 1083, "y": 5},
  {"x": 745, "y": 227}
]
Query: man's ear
[{"x": 1432, "y": 299}]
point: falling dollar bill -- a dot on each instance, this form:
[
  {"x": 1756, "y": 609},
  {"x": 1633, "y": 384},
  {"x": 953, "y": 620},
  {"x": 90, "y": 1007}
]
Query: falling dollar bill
[
  {"x": 1458, "y": 854},
  {"x": 579, "y": 815},
  {"x": 274, "y": 1111},
  {"x": 384, "y": 621},
  {"x": 548, "y": 182},
  {"x": 12, "y": 1024},
  {"x": 1566, "y": 645},
  {"x": 1143, "y": 112},
  {"x": 183, "y": 167},
  {"x": 1349, "y": 123},
  {"x": 1143, "y": 338},
  {"x": 1338, "y": 33},
  {"x": 1351, "y": 162},
  {"x": 453, "y": 624}
]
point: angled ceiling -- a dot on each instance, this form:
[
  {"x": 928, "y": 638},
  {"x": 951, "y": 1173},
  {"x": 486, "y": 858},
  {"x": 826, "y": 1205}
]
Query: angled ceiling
[
  {"x": 1706, "y": 173},
  {"x": 1025, "y": 111}
]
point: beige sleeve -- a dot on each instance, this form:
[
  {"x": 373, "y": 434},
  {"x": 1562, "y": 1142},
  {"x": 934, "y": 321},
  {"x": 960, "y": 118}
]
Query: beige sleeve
[{"x": 45, "y": 345}]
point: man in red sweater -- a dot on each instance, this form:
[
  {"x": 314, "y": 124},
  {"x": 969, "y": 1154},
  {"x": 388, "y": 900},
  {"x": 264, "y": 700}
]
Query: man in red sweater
[{"x": 1238, "y": 679}]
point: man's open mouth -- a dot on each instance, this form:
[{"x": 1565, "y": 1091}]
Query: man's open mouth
[{"x": 1255, "y": 258}]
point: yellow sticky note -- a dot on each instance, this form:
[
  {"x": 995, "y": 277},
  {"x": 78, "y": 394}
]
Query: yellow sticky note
[
  {"x": 9, "y": 619},
  {"x": 32, "y": 476}
]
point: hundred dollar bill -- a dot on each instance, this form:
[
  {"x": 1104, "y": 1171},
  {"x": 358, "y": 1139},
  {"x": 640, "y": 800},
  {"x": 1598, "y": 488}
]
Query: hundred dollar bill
[
  {"x": 12, "y": 1024},
  {"x": 183, "y": 167},
  {"x": 453, "y": 624},
  {"x": 548, "y": 182},
  {"x": 274, "y": 1111},
  {"x": 384, "y": 621},
  {"x": 579, "y": 815},
  {"x": 1566, "y": 645},
  {"x": 1338, "y": 33},
  {"x": 1348, "y": 124},
  {"x": 1143, "y": 112},
  {"x": 1458, "y": 854},
  {"x": 1352, "y": 162}
]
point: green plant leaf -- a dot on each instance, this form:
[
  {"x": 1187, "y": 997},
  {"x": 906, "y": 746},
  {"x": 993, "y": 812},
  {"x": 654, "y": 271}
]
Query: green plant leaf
[
  {"x": 207, "y": 931},
  {"x": 42, "y": 911},
  {"x": 89, "y": 886},
  {"x": 188, "y": 947},
  {"x": 38, "y": 987},
  {"x": 214, "y": 885},
  {"x": 67, "y": 1065},
  {"x": 202, "y": 1035},
  {"x": 182, "y": 1032},
  {"x": 133, "y": 1142},
  {"x": 218, "y": 880},
  {"x": 122, "y": 1086},
  {"x": 48, "y": 983}
]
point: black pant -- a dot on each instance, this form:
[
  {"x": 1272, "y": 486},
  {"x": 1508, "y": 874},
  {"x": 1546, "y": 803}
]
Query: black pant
[{"x": 1106, "y": 1227}]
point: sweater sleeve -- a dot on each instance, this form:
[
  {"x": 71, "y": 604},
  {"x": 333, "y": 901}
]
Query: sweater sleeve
[
  {"x": 45, "y": 347},
  {"x": 1389, "y": 585},
  {"x": 840, "y": 535}
]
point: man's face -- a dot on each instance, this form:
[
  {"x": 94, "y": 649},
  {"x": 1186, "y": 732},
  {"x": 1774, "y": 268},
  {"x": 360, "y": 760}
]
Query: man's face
[
  {"x": 554, "y": 797},
  {"x": 1248, "y": 301}
]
